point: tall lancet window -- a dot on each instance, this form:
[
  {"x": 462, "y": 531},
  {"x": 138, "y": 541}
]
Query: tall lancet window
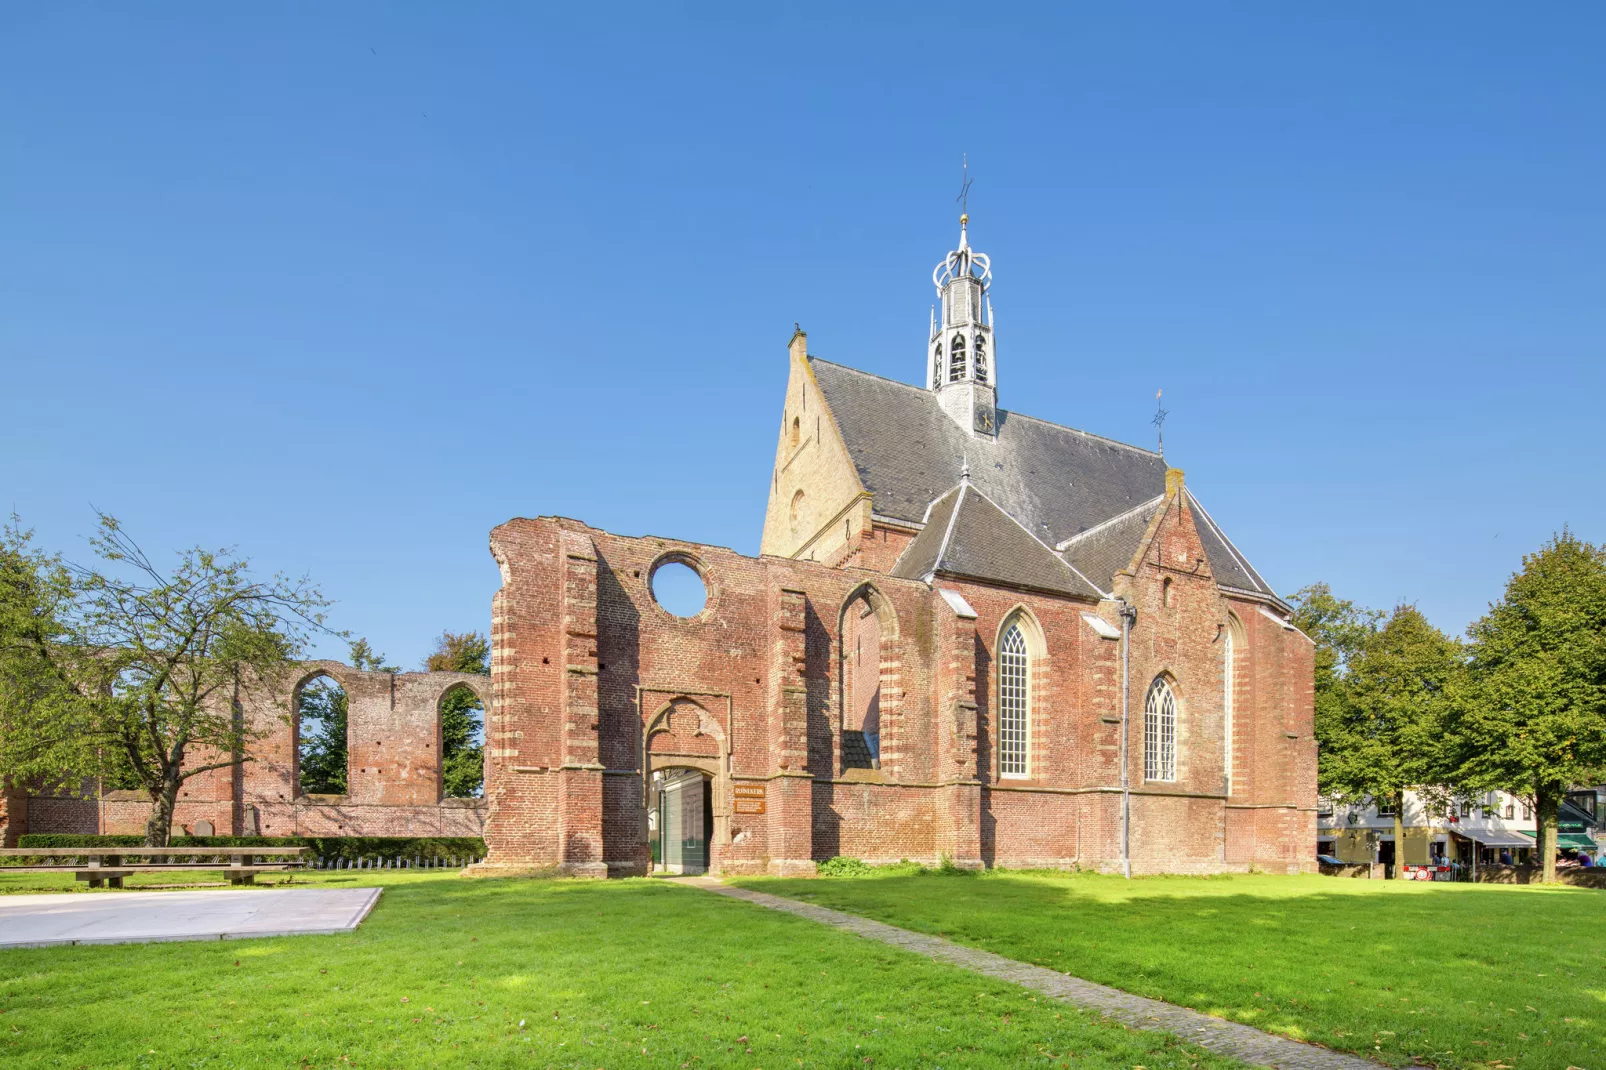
[
  {"x": 1160, "y": 732},
  {"x": 1013, "y": 702},
  {"x": 956, "y": 359},
  {"x": 1229, "y": 699},
  {"x": 981, "y": 358},
  {"x": 936, "y": 365}
]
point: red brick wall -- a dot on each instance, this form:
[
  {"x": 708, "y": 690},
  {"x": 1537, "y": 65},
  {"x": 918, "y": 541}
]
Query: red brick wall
[
  {"x": 585, "y": 660},
  {"x": 393, "y": 777}
]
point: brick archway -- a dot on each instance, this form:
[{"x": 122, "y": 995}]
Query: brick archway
[{"x": 683, "y": 734}]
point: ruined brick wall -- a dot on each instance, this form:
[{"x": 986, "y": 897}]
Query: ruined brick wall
[{"x": 393, "y": 777}]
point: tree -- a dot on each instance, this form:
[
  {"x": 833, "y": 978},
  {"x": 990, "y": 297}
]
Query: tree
[
  {"x": 131, "y": 667},
  {"x": 1534, "y": 719},
  {"x": 1387, "y": 734},
  {"x": 462, "y": 714},
  {"x": 1340, "y": 629}
]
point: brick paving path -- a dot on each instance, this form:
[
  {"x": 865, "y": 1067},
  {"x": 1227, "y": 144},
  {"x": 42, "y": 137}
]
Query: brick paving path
[{"x": 1239, "y": 1041}]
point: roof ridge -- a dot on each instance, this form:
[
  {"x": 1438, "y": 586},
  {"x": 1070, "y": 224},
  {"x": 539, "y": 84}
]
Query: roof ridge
[
  {"x": 1102, "y": 524},
  {"x": 1249, "y": 570},
  {"x": 953, "y": 519},
  {"x": 1008, "y": 412},
  {"x": 1030, "y": 535}
]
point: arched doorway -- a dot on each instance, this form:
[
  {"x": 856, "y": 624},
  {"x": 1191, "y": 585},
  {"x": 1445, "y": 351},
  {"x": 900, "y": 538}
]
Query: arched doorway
[
  {"x": 680, "y": 820},
  {"x": 685, "y": 811}
]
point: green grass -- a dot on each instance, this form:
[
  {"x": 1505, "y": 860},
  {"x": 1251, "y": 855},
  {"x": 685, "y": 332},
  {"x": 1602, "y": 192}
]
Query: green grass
[
  {"x": 1458, "y": 975},
  {"x": 451, "y": 972}
]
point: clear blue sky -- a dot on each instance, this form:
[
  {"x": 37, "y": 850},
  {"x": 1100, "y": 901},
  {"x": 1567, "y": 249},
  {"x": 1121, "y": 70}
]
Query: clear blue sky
[{"x": 347, "y": 288}]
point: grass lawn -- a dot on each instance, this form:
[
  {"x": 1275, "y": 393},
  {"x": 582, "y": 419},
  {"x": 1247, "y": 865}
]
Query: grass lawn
[
  {"x": 488, "y": 973},
  {"x": 1458, "y": 975}
]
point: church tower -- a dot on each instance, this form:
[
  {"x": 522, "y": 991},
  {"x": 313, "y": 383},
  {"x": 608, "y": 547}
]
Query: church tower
[{"x": 964, "y": 368}]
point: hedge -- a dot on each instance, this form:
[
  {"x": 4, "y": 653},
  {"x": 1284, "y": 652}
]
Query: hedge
[{"x": 350, "y": 848}]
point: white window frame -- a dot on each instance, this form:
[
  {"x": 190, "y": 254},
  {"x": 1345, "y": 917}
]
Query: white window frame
[
  {"x": 1160, "y": 732},
  {"x": 1014, "y": 703}
]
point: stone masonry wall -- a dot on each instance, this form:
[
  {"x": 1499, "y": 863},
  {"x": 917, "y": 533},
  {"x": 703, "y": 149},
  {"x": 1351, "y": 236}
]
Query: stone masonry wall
[
  {"x": 393, "y": 776},
  {"x": 598, "y": 687}
]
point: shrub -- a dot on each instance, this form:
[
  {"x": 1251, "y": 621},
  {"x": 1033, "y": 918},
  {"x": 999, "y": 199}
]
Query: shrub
[
  {"x": 842, "y": 866},
  {"x": 350, "y": 848}
]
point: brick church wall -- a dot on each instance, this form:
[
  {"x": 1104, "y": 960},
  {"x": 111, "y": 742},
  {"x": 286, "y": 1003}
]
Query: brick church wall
[
  {"x": 393, "y": 778},
  {"x": 587, "y": 665}
]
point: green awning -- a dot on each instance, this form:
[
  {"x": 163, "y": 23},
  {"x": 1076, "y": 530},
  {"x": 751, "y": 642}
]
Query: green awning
[{"x": 1575, "y": 841}]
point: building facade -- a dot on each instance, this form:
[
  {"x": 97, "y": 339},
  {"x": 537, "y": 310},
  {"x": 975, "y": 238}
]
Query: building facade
[{"x": 969, "y": 634}]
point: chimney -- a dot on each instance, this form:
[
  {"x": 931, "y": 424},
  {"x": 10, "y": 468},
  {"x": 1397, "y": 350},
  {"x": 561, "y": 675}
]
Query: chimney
[{"x": 799, "y": 345}]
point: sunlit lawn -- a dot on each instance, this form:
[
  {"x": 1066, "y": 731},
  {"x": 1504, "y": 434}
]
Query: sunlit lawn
[
  {"x": 1453, "y": 974},
  {"x": 462, "y": 973}
]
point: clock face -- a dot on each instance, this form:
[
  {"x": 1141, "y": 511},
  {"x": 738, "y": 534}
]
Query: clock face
[{"x": 984, "y": 421}]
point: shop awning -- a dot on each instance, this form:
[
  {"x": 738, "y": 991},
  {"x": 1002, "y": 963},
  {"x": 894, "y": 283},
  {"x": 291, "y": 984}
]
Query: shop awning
[
  {"x": 1573, "y": 841},
  {"x": 1497, "y": 838}
]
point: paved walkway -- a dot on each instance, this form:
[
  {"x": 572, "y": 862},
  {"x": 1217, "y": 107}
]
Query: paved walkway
[
  {"x": 142, "y": 917},
  {"x": 1217, "y": 1034}
]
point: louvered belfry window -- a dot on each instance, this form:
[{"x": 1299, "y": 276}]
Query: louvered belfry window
[
  {"x": 1160, "y": 732},
  {"x": 1012, "y": 703}
]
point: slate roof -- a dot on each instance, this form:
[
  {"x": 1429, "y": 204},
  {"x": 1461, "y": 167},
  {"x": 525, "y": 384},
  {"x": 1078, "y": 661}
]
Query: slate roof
[
  {"x": 966, "y": 534},
  {"x": 1037, "y": 483},
  {"x": 1102, "y": 551},
  {"x": 1055, "y": 481}
]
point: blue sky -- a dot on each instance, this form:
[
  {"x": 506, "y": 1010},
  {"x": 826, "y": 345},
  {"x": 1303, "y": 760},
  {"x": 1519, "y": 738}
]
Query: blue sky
[{"x": 347, "y": 288}]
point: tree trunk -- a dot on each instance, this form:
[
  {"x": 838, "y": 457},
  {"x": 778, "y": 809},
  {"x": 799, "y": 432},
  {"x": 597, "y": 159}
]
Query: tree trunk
[
  {"x": 160, "y": 826},
  {"x": 1399, "y": 838},
  {"x": 1546, "y": 804}
]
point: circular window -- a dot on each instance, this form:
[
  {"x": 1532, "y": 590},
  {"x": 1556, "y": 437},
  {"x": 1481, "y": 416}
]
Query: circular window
[{"x": 679, "y": 589}]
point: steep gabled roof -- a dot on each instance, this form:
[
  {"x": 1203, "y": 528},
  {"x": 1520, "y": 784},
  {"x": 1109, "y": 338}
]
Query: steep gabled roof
[
  {"x": 1105, "y": 549},
  {"x": 1231, "y": 568},
  {"x": 967, "y": 534},
  {"x": 1089, "y": 496},
  {"x": 1053, "y": 480}
]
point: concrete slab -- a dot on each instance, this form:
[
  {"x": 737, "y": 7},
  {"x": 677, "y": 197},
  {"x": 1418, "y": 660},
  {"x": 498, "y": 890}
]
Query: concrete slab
[{"x": 142, "y": 917}]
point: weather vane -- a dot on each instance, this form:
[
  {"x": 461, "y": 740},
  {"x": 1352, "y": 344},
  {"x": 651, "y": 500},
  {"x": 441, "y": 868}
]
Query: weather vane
[
  {"x": 1159, "y": 421},
  {"x": 964, "y": 185}
]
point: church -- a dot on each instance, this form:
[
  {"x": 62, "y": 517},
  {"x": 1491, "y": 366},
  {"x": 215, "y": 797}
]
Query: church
[{"x": 970, "y": 636}]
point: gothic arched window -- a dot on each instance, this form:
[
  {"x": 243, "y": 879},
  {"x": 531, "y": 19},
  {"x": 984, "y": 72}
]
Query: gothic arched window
[
  {"x": 1013, "y": 702},
  {"x": 981, "y": 358},
  {"x": 956, "y": 360},
  {"x": 936, "y": 365},
  {"x": 1160, "y": 732}
]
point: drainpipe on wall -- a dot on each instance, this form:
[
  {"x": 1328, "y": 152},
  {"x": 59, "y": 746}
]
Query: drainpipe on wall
[{"x": 1128, "y": 615}]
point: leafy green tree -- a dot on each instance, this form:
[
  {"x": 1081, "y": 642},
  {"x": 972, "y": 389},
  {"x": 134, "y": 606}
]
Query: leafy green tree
[
  {"x": 133, "y": 666},
  {"x": 1534, "y": 719},
  {"x": 462, "y": 714},
  {"x": 323, "y": 717},
  {"x": 1340, "y": 629},
  {"x": 1391, "y": 735}
]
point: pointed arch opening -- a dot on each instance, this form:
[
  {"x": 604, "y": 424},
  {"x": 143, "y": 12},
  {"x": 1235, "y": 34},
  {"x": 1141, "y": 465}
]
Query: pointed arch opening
[
  {"x": 462, "y": 735},
  {"x": 1160, "y": 731},
  {"x": 956, "y": 359},
  {"x": 981, "y": 358},
  {"x": 867, "y": 627},
  {"x": 322, "y": 717},
  {"x": 685, "y": 766},
  {"x": 1019, "y": 654},
  {"x": 936, "y": 365}
]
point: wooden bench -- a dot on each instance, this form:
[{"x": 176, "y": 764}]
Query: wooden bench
[{"x": 107, "y": 868}]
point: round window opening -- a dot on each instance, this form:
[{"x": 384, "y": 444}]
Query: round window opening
[{"x": 678, "y": 588}]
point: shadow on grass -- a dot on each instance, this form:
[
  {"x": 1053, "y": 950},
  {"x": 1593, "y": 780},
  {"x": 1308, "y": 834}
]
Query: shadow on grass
[{"x": 1453, "y": 974}]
